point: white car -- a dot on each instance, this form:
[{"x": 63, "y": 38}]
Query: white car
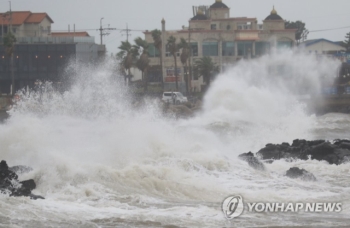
[{"x": 174, "y": 97}]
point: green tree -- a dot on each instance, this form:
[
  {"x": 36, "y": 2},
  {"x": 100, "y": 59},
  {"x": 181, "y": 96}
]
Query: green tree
[
  {"x": 9, "y": 44},
  {"x": 301, "y": 33},
  {"x": 140, "y": 51},
  {"x": 126, "y": 56},
  {"x": 185, "y": 53},
  {"x": 206, "y": 68},
  {"x": 157, "y": 38},
  {"x": 119, "y": 68},
  {"x": 347, "y": 41},
  {"x": 173, "y": 48}
]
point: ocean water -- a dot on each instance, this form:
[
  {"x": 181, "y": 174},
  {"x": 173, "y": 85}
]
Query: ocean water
[{"x": 101, "y": 161}]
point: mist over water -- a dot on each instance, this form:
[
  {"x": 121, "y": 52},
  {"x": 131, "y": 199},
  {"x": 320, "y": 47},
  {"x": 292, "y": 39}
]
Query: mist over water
[{"x": 98, "y": 159}]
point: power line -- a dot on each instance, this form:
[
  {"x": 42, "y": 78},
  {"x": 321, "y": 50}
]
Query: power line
[
  {"x": 112, "y": 38},
  {"x": 127, "y": 31},
  {"x": 118, "y": 29},
  {"x": 331, "y": 29}
]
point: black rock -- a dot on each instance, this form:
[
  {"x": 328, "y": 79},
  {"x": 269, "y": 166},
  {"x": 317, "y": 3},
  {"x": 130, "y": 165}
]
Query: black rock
[
  {"x": 286, "y": 145},
  {"x": 300, "y": 173},
  {"x": 344, "y": 145},
  {"x": 342, "y": 154},
  {"x": 270, "y": 151},
  {"x": 299, "y": 142},
  {"x": 35, "y": 197},
  {"x": 340, "y": 141},
  {"x": 20, "y": 169},
  {"x": 252, "y": 161},
  {"x": 268, "y": 161},
  {"x": 9, "y": 183},
  {"x": 324, "y": 151},
  {"x": 321, "y": 150}
]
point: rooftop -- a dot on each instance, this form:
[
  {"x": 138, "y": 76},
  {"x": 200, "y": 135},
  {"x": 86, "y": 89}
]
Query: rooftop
[
  {"x": 70, "y": 34},
  {"x": 218, "y": 5},
  {"x": 21, "y": 17},
  {"x": 314, "y": 41},
  {"x": 274, "y": 15}
]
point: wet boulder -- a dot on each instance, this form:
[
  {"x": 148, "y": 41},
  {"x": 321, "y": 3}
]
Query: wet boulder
[
  {"x": 321, "y": 150},
  {"x": 270, "y": 151},
  {"x": 302, "y": 174},
  {"x": 20, "y": 169},
  {"x": 252, "y": 161},
  {"x": 9, "y": 183}
]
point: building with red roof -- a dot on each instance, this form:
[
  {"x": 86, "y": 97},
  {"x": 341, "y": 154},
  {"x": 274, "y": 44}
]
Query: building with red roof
[
  {"x": 26, "y": 23},
  {"x": 39, "y": 53}
]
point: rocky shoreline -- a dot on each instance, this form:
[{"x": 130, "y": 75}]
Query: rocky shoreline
[
  {"x": 9, "y": 183},
  {"x": 335, "y": 153}
]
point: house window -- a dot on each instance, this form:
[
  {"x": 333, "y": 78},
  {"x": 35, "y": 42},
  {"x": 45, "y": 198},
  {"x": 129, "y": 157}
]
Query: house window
[
  {"x": 284, "y": 44},
  {"x": 228, "y": 49},
  {"x": 153, "y": 51},
  {"x": 213, "y": 27},
  {"x": 194, "y": 49},
  {"x": 244, "y": 48},
  {"x": 262, "y": 48},
  {"x": 210, "y": 49}
]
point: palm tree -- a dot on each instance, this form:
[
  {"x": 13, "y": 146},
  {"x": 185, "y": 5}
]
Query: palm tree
[
  {"x": 184, "y": 58},
  {"x": 140, "y": 51},
  {"x": 173, "y": 48},
  {"x": 157, "y": 38},
  {"x": 206, "y": 68},
  {"x": 9, "y": 43},
  {"x": 126, "y": 56}
]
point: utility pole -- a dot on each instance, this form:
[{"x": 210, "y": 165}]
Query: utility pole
[
  {"x": 102, "y": 31},
  {"x": 189, "y": 78},
  {"x": 127, "y": 31},
  {"x": 13, "y": 44}
]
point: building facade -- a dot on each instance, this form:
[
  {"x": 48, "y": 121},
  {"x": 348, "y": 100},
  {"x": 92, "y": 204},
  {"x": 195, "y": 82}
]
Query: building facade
[
  {"x": 40, "y": 54},
  {"x": 322, "y": 46},
  {"x": 212, "y": 32},
  {"x": 26, "y": 24}
]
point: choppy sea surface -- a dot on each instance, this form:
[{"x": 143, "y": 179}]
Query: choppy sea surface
[{"x": 101, "y": 161}]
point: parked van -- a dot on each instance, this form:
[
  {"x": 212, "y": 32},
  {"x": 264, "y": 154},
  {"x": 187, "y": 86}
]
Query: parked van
[{"x": 174, "y": 97}]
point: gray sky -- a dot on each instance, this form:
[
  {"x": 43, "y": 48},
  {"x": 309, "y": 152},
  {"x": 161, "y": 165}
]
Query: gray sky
[{"x": 142, "y": 14}]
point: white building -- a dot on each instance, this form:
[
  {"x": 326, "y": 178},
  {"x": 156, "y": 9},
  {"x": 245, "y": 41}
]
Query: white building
[
  {"x": 322, "y": 46},
  {"x": 213, "y": 32},
  {"x": 26, "y": 24}
]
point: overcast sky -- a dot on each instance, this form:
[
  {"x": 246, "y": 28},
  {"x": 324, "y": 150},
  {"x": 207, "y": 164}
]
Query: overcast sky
[{"x": 147, "y": 14}]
